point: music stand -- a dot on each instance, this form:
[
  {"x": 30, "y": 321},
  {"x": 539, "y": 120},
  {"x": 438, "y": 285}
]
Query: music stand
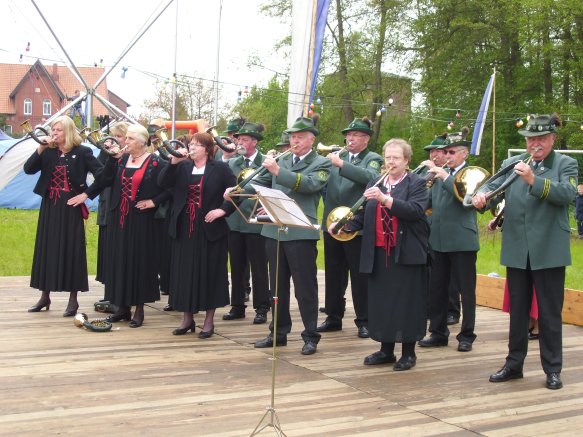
[{"x": 282, "y": 211}]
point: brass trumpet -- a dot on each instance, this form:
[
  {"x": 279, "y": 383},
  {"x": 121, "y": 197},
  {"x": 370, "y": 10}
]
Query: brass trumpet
[
  {"x": 168, "y": 144},
  {"x": 219, "y": 141},
  {"x": 248, "y": 174},
  {"x": 430, "y": 177},
  {"x": 342, "y": 214},
  {"x": 466, "y": 197},
  {"x": 30, "y": 132},
  {"x": 326, "y": 150},
  {"x": 94, "y": 137}
]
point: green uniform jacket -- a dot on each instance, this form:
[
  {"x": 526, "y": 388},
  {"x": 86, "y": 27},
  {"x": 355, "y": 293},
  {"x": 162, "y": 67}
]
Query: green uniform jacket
[
  {"x": 454, "y": 228},
  {"x": 302, "y": 183},
  {"x": 347, "y": 184},
  {"x": 536, "y": 219},
  {"x": 236, "y": 221}
]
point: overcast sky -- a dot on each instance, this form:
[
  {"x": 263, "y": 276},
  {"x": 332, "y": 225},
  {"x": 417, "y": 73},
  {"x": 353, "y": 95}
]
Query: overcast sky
[{"x": 92, "y": 30}]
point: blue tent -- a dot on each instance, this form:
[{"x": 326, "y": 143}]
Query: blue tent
[
  {"x": 3, "y": 136},
  {"x": 17, "y": 192}
]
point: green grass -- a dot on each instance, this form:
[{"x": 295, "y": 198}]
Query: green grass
[{"x": 18, "y": 229}]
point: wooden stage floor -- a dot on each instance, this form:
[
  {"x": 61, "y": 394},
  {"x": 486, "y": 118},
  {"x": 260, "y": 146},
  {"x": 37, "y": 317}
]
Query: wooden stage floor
[{"x": 58, "y": 379}]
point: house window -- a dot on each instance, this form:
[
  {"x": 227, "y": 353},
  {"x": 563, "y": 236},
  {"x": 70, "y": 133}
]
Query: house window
[
  {"x": 47, "y": 107},
  {"x": 27, "y": 106},
  {"x": 8, "y": 129}
]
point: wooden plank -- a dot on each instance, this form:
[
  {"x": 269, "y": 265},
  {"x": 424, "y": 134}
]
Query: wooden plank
[
  {"x": 490, "y": 293},
  {"x": 59, "y": 379}
]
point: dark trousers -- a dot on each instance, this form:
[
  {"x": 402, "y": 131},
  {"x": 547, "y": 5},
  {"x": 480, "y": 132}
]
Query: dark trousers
[
  {"x": 297, "y": 260},
  {"x": 340, "y": 259},
  {"x": 459, "y": 267},
  {"x": 454, "y": 306},
  {"x": 550, "y": 292},
  {"x": 247, "y": 249}
]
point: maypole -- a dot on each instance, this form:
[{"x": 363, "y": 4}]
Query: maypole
[{"x": 494, "y": 123}]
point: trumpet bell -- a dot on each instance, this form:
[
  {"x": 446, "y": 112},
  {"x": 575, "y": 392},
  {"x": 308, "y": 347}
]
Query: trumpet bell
[
  {"x": 337, "y": 214},
  {"x": 496, "y": 210},
  {"x": 325, "y": 150},
  {"x": 244, "y": 174},
  {"x": 468, "y": 180}
]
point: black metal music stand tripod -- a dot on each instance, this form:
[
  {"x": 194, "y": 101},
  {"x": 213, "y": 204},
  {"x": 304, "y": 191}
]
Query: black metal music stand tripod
[{"x": 283, "y": 212}]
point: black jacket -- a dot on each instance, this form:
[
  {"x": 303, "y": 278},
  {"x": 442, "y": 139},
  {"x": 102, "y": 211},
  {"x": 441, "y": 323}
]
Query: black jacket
[
  {"x": 410, "y": 199},
  {"x": 217, "y": 178},
  {"x": 80, "y": 161}
]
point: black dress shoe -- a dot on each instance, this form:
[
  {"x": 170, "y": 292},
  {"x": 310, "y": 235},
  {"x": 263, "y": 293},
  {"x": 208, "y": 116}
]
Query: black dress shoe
[
  {"x": 206, "y": 334},
  {"x": 322, "y": 310},
  {"x": 532, "y": 335},
  {"x": 464, "y": 346},
  {"x": 432, "y": 341},
  {"x": 268, "y": 342},
  {"x": 309, "y": 348},
  {"x": 363, "y": 332},
  {"x": 505, "y": 374},
  {"x": 71, "y": 311},
  {"x": 554, "y": 381},
  {"x": 40, "y": 305},
  {"x": 126, "y": 315},
  {"x": 136, "y": 322},
  {"x": 168, "y": 308},
  {"x": 260, "y": 318},
  {"x": 452, "y": 320},
  {"x": 379, "y": 357},
  {"x": 329, "y": 326},
  {"x": 405, "y": 363},
  {"x": 234, "y": 314},
  {"x": 182, "y": 331}
]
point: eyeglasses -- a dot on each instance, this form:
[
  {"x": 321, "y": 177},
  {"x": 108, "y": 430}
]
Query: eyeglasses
[{"x": 451, "y": 152}]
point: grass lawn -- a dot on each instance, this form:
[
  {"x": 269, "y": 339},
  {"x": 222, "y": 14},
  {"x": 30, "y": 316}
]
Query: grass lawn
[{"x": 18, "y": 229}]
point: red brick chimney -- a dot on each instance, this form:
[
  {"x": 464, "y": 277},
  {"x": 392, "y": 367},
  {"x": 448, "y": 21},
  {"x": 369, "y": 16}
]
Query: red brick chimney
[{"x": 55, "y": 73}]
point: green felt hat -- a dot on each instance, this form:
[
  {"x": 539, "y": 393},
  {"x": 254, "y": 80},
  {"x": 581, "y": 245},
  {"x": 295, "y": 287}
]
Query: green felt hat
[
  {"x": 457, "y": 139},
  {"x": 539, "y": 125},
  {"x": 251, "y": 129},
  {"x": 304, "y": 124},
  {"x": 438, "y": 141},
  {"x": 360, "y": 125},
  {"x": 284, "y": 140},
  {"x": 234, "y": 125}
]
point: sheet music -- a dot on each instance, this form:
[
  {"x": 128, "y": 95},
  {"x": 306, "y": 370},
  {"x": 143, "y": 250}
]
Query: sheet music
[{"x": 281, "y": 208}]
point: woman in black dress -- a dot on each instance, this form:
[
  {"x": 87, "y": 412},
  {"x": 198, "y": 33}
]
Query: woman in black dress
[
  {"x": 198, "y": 273},
  {"x": 131, "y": 276},
  {"x": 394, "y": 255},
  {"x": 60, "y": 260}
]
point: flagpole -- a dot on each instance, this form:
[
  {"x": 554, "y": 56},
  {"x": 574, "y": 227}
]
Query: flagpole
[{"x": 494, "y": 123}]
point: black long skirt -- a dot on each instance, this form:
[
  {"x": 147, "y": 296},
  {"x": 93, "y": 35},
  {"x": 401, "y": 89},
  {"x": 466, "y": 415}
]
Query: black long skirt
[
  {"x": 397, "y": 300},
  {"x": 198, "y": 273},
  {"x": 132, "y": 258},
  {"x": 101, "y": 254},
  {"x": 60, "y": 259}
]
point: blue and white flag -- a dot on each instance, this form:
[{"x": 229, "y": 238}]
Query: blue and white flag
[
  {"x": 481, "y": 118},
  {"x": 308, "y": 25}
]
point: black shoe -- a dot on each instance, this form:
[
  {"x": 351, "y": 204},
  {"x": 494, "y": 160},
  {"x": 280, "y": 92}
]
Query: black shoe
[
  {"x": 323, "y": 310},
  {"x": 309, "y": 348},
  {"x": 260, "y": 317},
  {"x": 452, "y": 320},
  {"x": 363, "y": 332},
  {"x": 206, "y": 334},
  {"x": 432, "y": 341},
  {"x": 137, "y": 322},
  {"x": 234, "y": 314},
  {"x": 464, "y": 346},
  {"x": 329, "y": 326},
  {"x": 42, "y": 303},
  {"x": 505, "y": 374},
  {"x": 268, "y": 342},
  {"x": 168, "y": 308},
  {"x": 405, "y": 363},
  {"x": 554, "y": 381},
  {"x": 126, "y": 315},
  {"x": 379, "y": 357},
  {"x": 164, "y": 293},
  {"x": 182, "y": 331},
  {"x": 532, "y": 335},
  {"x": 71, "y": 311}
]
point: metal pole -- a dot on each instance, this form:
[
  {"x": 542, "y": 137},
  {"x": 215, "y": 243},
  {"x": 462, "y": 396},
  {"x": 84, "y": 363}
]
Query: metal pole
[
  {"x": 216, "y": 109},
  {"x": 174, "y": 75}
]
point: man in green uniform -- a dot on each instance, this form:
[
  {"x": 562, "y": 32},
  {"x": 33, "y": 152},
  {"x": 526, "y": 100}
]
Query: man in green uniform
[
  {"x": 536, "y": 245},
  {"x": 352, "y": 169}
]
